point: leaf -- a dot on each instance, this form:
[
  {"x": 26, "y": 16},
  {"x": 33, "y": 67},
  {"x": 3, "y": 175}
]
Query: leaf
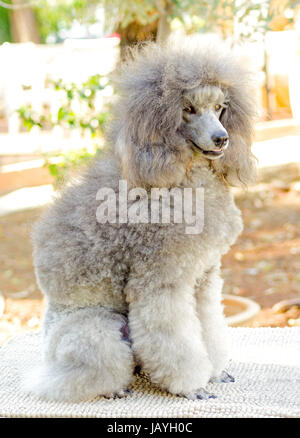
[{"x": 61, "y": 114}]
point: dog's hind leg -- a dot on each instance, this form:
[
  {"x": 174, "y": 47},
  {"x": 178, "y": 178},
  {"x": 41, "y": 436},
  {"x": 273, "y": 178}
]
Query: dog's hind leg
[
  {"x": 210, "y": 312},
  {"x": 86, "y": 354}
]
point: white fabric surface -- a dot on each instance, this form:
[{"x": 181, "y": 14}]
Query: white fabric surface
[{"x": 265, "y": 363}]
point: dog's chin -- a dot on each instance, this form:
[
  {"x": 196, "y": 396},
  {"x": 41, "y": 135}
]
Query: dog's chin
[{"x": 210, "y": 154}]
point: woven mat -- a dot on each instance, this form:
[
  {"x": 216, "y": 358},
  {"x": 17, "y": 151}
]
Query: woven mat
[{"x": 265, "y": 363}]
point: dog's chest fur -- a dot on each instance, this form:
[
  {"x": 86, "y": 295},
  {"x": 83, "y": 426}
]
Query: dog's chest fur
[{"x": 222, "y": 219}]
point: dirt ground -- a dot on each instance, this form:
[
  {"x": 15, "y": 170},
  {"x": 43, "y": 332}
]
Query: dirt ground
[{"x": 263, "y": 265}]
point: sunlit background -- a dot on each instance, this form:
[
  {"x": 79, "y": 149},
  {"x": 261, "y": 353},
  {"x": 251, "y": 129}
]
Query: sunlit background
[{"x": 55, "y": 96}]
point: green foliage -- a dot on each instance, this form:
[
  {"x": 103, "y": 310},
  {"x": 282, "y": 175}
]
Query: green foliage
[
  {"x": 63, "y": 165},
  {"x": 58, "y": 15},
  {"x": 210, "y": 15},
  {"x": 78, "y": 110},
  {"x": 258, "y": 15},
  {"x": 200, "y": 16},
  {"x": 86, "y": 117},
  {"x": 125, "y": 12},
  {"x": 4, "y": 26},
  {"x": 29, "y": 117},
  {"x": 195, "y": 15},
  {"x": 256, "y": 18}
]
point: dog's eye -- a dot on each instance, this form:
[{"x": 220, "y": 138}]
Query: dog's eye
[
  {"x": 222, "y": 112},
  {"x": 218, "y": 107},
  {"x": 189, "y": 109}
]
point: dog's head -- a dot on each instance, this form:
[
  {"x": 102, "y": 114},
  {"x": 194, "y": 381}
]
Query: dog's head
[
  {"x": 180, "y": 102},
  {"x": 201, "y": 127}
]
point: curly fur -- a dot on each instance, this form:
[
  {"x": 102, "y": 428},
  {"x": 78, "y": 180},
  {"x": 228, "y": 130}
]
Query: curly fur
[
  {"x": 167, "y": 282},
  {"x": 150, "y": 112}
]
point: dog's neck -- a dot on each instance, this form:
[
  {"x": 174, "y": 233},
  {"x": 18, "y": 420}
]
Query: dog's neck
[
  {"x": 199, "y": 171},
  {"x": 196, "y": 161}
]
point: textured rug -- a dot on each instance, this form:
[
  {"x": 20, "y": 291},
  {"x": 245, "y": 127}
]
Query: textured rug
[{"x": 265, "y": 363}]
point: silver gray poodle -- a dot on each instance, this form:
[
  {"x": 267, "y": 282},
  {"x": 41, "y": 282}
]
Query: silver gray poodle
[{"x": 148, "y": 294}]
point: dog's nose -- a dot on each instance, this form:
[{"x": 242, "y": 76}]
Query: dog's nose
[{"x": 220, "y": 139}]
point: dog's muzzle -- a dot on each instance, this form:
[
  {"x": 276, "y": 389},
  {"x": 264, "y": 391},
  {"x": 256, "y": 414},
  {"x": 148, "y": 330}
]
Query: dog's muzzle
[{"x": 217, "y": 150}]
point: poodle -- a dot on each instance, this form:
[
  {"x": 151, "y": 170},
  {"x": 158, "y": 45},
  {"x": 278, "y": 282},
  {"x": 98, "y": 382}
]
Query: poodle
[{"x": 120, "y": 294}]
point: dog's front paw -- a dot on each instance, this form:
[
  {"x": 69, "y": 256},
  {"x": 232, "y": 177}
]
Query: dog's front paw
[
  {"x": 224, "y": 377},
  {"x": 119, "y": 394},
  {"x": 199, "y": 394}
]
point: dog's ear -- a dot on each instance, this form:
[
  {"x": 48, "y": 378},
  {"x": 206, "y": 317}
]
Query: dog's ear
[
  {"x": 151, "y": 164},
  {"x": 149, "y": 112},
  {"x": 238, "y": 166}
]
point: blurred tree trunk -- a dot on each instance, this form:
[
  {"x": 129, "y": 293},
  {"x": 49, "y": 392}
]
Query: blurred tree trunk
[
  {"x": 159, "y": 30},
  {"x": 135, "y": 33},
  {"x": 267, "y": 85},
  {"x": 164, "y": 8},
  {"x": 23, "y": 24}
]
